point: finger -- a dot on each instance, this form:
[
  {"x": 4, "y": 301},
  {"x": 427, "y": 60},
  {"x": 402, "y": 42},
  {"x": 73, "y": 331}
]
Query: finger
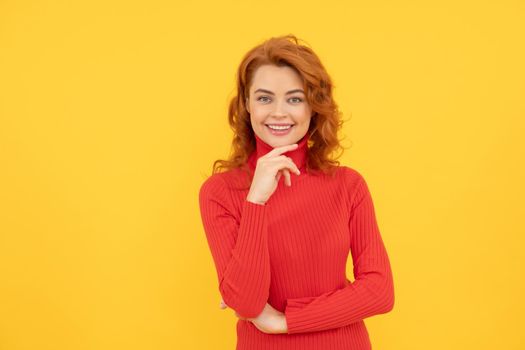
[
  {"x": 223, "y": 305},
  {"x": 288, "y": 180},
  {"x": 284, "y": 161},
  {"x": 293, "y": 166},
  {"x": 279, "y": 150}
]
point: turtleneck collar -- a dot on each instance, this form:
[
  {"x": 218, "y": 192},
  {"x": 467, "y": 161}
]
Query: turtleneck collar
[{"x": 299, "y": 155}]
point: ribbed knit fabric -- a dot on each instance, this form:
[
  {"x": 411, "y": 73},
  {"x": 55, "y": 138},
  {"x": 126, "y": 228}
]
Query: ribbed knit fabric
[{"x": 292, "y": 251}]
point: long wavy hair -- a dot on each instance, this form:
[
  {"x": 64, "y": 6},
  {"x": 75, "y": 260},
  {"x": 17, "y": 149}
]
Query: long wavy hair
[{"x": 326, "y": 118}]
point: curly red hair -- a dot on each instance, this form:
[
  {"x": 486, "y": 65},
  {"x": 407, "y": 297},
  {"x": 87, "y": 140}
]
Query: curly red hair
[{"x": 326, "y": 118}]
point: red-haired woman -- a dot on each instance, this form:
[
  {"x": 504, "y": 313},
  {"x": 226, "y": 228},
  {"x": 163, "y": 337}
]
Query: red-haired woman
[{"x": 280, "y": 247}]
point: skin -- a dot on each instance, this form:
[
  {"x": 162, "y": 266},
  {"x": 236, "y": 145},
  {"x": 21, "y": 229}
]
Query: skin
[
  {"x": 283, "y": 101},
  {"x": 279, "y": 107},
  {"x": 268, "y": 321}
]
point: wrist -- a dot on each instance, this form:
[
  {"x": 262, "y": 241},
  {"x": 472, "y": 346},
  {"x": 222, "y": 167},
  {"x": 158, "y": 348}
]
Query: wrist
[
  {"x": 250, "y": 199},
  {"x": 281, "y": 326}
]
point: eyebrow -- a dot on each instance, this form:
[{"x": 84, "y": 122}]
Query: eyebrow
[{"x": 271, "y": 93}]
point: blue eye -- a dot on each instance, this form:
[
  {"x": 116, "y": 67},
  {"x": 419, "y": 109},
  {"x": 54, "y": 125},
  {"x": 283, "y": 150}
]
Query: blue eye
[
  {"x": 297, "y": 98},
  {"x": 262, "y": 97}
]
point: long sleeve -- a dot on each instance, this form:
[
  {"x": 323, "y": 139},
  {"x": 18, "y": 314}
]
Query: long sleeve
[
  {"x": 239, "y": 247},
  {"x": 370, "y": 294}
]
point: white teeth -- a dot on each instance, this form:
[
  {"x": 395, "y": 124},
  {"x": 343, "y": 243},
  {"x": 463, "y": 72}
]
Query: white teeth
[{"x": 275, "y": 127}]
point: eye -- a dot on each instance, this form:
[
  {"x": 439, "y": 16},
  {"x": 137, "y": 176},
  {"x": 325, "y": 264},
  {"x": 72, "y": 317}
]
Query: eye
[
  {"x": 262, "y": 97},
  {"x": 297, "y": 98}
]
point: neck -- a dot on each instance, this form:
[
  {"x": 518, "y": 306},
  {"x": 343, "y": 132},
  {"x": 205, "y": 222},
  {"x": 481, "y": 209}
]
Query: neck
[{"x": 299, "y": 155}]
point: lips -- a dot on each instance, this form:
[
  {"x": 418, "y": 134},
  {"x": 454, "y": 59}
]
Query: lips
[
  {"x": 279, "y": 125},
  {"x": 280, "y": 131}
]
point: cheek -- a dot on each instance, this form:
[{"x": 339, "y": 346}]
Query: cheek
[
  {"x": 305, "y": 114},
  {"x": 304, "y": 110},
  {"x": 257, "y": 117},
  {"x": 305, "y": 120},
  {"x": 259, "y": 112}
]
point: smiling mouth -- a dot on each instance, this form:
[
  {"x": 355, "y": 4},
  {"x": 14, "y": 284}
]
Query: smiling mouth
[
  {"x": 279, "y": 130},
  {"x": 279, "y": 127}
]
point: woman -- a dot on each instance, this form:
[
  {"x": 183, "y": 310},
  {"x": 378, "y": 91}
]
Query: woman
[{"x": 280, "y": 247}]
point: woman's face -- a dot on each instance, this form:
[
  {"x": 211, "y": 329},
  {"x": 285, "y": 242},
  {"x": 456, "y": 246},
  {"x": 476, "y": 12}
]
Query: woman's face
[{"x": 276, "y": 98}]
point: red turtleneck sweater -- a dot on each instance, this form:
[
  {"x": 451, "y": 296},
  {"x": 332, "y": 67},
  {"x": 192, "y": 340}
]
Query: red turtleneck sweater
[{"x": 292, "y": 252}]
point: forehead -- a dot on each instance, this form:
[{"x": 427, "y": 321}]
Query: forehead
[{"x": 276, "y": 78}]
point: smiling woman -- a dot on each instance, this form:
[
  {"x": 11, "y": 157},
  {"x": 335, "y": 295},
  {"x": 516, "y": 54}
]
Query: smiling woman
[
  {"x": 280, "y": 248},
  {"x": 279, "y": 113}
]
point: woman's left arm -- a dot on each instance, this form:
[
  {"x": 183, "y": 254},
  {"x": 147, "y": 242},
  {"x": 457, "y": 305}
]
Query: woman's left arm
[
  {"x": 269, "y": 321},
  {"x": 370, "y": 294}
]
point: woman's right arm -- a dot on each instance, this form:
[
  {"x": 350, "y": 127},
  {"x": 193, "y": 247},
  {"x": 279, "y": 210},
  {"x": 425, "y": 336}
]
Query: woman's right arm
[{"x": 239, "y": 247}]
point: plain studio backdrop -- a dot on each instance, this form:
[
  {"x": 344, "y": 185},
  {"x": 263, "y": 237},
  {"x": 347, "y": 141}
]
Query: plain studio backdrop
[{"x": 112, "y": 112}]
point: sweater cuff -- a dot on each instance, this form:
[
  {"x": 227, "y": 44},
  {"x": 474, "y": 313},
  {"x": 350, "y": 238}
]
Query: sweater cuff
[
  {"x": 294, "y": 320},
  {"x": 254, "y": 216},
  {"x": 253, "y": 212}
]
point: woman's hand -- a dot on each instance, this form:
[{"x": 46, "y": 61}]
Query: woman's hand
[
  {"x": 268, "y": 171},
  {"x": 269, "y": 321}
]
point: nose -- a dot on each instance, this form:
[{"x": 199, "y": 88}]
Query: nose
[{"x": 279, "y": 110}]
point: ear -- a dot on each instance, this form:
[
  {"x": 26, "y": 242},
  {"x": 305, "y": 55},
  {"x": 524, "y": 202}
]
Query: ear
[{"x": 247, "y": 104}]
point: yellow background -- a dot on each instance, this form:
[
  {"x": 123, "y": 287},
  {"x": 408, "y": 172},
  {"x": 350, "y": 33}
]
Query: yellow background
[{"x": 111, "y": 114}]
